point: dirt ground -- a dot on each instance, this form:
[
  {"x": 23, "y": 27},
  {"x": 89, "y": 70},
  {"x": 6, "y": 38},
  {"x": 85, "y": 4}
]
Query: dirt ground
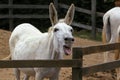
[{"x": 65, "y": 74}]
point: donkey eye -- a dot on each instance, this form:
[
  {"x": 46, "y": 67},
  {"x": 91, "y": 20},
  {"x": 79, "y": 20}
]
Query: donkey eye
[
  {"x": 71, "y": 30},
  {"x": 56, "y": 29}
]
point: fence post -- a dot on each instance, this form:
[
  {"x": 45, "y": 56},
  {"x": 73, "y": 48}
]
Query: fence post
[
  {"x": 93, "y": 19},
  {"x": 56, "y": 4},
  {"x": 10, "y": 15},
  {"x": 77, "y": 72}
]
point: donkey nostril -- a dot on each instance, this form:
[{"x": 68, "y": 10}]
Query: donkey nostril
[
  {"x": 66, "y": 39},
  {"x": 69, "y": 39},
  {"x": 73, "y": 39}
]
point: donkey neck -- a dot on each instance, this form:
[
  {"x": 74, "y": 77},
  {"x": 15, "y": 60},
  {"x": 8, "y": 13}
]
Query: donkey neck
[{"x": 53, "y": 47}]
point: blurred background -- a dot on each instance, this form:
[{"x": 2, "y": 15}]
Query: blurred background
[{"x": 14, "y": 12}]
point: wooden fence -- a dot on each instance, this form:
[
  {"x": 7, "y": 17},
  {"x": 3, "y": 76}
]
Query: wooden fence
[
  {"x": 79, "y": 52},
  {"x": 12, "y": 16},
  {"x": 76, "y": 63}
]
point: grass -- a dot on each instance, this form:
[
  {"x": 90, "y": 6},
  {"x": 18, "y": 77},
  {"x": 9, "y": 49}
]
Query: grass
[{"x": 87, "y": 35}]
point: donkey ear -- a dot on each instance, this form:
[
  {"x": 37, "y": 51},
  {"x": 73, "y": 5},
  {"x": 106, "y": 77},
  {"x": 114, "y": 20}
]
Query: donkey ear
[
  {"x": 53, "y": 14},
  {"x": 70, "y": 14}
]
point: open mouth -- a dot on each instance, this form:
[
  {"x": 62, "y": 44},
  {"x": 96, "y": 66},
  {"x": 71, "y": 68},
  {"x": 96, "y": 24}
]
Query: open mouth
[{"x": 67, "y": 49}]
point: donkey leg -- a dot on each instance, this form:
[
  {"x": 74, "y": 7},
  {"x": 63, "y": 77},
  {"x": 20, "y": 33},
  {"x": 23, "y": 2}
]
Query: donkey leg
[
  {"x": 104, "y": 40},
  {"x": 26, "y": 77},
  {"x": 117, "y": 56},
  {"x": 118, "y": 73},
  {"x": 38, "y": 76},
  {"x": 106, "y": 56},
  {"x": 17, "y": 73},
  {"x": 55, "y": 77}
]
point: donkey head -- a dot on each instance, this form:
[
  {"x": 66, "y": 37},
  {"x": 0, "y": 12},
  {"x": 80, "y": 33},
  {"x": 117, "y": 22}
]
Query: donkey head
[{"x": 62, "y": 30}]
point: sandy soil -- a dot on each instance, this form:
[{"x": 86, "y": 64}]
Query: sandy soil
[{"x": 65, "y": 74}]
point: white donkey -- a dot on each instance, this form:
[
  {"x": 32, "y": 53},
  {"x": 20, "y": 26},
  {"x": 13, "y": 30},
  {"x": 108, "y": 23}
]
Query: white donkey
[
  {"x": 111, "y": 32},
  {"x": 28, "y": 43}
]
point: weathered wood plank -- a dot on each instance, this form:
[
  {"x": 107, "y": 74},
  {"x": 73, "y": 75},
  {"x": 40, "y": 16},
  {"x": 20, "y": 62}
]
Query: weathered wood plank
[
  {"x": 76, "y": 8},
  {"x": 101, "y": 67},
  {"x": 77, "y": 24},
  {"x": 24, "y": 16},
  {"x": 10, "y": 14},
  {"x": 100, "y": 48},
  {"x": 38, "y": 63},
  {"x": 99, "y": 14},
  {"x": 77, "y": 72},
  {"x": 82, "y": 26},
  {"x": 93, "y": 18},
  {"x": 56, "y": 4},
  {"x": 22, "y": 6}
]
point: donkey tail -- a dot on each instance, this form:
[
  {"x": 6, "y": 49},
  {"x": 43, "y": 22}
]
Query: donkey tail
[{"x": 106, "y": 28}]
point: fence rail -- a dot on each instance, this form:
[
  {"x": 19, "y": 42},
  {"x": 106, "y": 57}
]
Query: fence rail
[
  {"x": 81, "y": 51},
  {"x": 38, "y": 63},
  {"x": 81, "y": 10},
  {"x": 100, "y": 48},
  {"x": 10, "y": 6},
  {"x": 24, "y": 16},
  {"x": 23, "y": 6},
  {"x": 101, "y": 67},
  {"x": 76, "y": 62}
]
